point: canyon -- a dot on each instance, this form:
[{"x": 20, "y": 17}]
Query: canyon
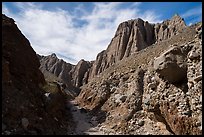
[{"x": 147, "y": 82}]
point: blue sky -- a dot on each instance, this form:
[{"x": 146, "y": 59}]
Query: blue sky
[{"x": 76, "y": 30}]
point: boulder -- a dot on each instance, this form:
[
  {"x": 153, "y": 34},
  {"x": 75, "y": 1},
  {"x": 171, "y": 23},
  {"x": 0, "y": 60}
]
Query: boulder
[
  {"x": 25, "y": 123},
  {"x": 141, "y": 122},
  {"x": 171, "y": 65},
  {"x": 123, "y": 98},
  {"x": 193, "y": 55}
]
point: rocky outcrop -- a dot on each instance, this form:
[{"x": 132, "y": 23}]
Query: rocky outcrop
[
  {"x": 71, "y": 75},
  {"x": 168, "y": 28},
  {"x": 78, "y": 73},
  {"x": 178, "y": 104},
  {"x": 132, "y": 36},
  {"x": 56, "y": 66},
  {"x": 16, "y": 66},
  {"x": 24, "y": 107},
  {"x": 171, "y": 65},
  {"x": 143, "y": 95}
]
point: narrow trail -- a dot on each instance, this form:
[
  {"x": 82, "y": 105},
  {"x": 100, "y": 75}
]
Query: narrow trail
[{"x": 85, "y": 126}]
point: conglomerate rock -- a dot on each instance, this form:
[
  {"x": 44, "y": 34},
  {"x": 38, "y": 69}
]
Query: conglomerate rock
[{"x": 136, "y": 97}]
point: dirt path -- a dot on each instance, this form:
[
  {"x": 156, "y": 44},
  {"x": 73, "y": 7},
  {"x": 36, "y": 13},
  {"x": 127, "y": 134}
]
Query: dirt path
[{"x": 84, "y": 124}]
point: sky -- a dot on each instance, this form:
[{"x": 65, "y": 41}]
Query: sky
[{"x": 80, "y": 30}]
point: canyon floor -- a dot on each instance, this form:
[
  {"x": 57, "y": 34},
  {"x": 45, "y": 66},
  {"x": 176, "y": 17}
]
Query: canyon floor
[{"x": 85, "y": 122}]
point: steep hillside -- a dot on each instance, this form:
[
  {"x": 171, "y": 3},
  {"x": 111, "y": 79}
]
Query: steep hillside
[
  {"x": 56, "y": 66},
  {"x": 25, "y": 108},
  {"x": 132, "y": 36},
  {"x": 153, "y": 90},
  {"x": 73, "y": 76}
]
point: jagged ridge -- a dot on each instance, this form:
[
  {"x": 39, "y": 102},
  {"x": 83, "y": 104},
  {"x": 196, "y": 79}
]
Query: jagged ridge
[{"x": 131, "y": 36}]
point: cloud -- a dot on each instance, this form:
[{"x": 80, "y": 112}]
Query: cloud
[
  {"x": 5, "y": 10},
  {"x": 193, "y": 12},
  {"x": 134, "y": 4},
  {"x": 190, "y": 24},
  {"x": 80, "y": 34},
  {"x": 27, "y": 5},
  {"x": 193, "y": 15}
]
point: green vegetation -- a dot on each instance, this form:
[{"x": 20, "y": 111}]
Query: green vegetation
[
  {"x": 50, "y": 77},
  {"x": 51, "y": 87}
]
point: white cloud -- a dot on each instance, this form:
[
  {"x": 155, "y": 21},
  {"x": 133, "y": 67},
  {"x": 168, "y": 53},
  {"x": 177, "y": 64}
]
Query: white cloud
[
  {"x": 150, "y": 17},
  {"x": 57, "y": 32},
  {"x": 135, "y": 4},
  {"x": 27, "y": 5},
  {"x": 5, "y": 10},
  {"x": 193, "y": 15},
  {"x": 193, "y": 12}
]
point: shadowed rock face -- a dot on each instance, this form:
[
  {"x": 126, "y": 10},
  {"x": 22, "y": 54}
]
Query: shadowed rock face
[
  {"x": 24, "y": 106},
  {"x": 21, "y": 79},
  {"x": 18, "y": 55}
]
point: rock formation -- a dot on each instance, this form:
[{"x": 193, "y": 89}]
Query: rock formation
[
  {"x": 25, "y": 109},
  {"x": 132, "y": 36},
  {"x": 147, "y": 82},
  {"x": 71, "y": 75},
  {"x": 178, "y": 104},
  {"x": 171, "y": 65},
  {"x": 155, "y": 90},
  {"x": 78, "y": 73},
  {"x": 56, "y": 66},
  {"x": 146, "y": 79},
  {"x": 168, "y": 28}
]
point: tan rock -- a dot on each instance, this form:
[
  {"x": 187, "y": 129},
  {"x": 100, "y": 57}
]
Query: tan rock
[{"x": 171, "y": 65}]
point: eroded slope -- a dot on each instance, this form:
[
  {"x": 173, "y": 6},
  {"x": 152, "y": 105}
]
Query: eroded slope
[{"x": 124, "y": 90}]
